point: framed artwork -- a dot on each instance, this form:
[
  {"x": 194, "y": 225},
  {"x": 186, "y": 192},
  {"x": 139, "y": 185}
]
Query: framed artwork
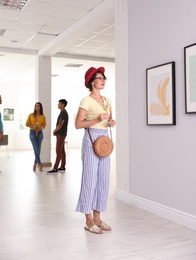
[
  {"x": 160, "y": 94},
  {"x": 8, "y": 114},
  {"x": 190, "y": 78}
]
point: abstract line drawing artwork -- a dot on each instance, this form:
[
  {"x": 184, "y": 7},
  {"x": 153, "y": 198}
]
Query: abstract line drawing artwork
[
  {"x": 160, "y": 88},
  {"x": 161, "y": 108}
]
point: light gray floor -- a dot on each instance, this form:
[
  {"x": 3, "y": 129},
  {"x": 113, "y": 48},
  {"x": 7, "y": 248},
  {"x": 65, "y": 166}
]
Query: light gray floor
[{"x": 38, "y": 219}]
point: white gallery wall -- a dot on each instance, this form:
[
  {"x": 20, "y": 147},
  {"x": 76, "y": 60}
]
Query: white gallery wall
[
  {"x": 162, "y": 164},
  {"x": 18, "y": 93}
]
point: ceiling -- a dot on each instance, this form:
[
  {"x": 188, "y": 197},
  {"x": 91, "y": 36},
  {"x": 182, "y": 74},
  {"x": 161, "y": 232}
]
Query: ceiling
[{"x": 77, "y": 30}]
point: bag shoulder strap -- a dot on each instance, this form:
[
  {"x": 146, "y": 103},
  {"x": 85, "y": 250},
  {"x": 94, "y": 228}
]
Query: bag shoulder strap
[{"x": 91, "y": 136}]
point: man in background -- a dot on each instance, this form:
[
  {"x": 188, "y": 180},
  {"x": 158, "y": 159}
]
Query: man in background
[{"x": 60, "y": 132}]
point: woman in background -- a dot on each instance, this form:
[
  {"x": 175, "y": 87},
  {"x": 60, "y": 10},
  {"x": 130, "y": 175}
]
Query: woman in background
[{"x": 37, "y": 122}]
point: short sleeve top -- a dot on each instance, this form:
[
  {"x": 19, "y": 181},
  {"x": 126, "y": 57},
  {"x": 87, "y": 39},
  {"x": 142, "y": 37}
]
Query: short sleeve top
[
  {"x": 62, "y": 116},
  {"x": 32, "y": 120},
  {"x": 1, "y": 123},
  {"x": 94, "y": 109}
]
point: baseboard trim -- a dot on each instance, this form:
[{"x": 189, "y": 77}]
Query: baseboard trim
[{"x": 176, "y": 216}]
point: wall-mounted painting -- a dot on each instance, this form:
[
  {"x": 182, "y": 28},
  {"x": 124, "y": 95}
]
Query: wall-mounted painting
[
  {"x": 160, "y": 88},
  {"x": 8, "y": 114},
  {"x": 190, "y": 78}
]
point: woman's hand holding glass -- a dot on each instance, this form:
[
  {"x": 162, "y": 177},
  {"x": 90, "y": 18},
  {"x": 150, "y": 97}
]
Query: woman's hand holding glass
[
  {"x": 111, "y": 122},
  {"x": 103, "y": 116}
]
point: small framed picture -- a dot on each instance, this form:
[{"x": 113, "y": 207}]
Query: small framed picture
[
  {"x": 190, "y": 78},
  {"x": 8, "y": 114},
  {"x": 160, "y": 94}
]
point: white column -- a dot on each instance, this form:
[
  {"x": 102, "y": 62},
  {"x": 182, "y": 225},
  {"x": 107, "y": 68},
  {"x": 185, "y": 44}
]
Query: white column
[
  {"x": 122, "y": 94},
  {"x": 43, "y": 95}
]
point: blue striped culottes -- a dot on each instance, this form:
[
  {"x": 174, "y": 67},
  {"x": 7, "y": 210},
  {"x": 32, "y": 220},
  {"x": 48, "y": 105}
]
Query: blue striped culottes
[{"x": 95, "y": 176}]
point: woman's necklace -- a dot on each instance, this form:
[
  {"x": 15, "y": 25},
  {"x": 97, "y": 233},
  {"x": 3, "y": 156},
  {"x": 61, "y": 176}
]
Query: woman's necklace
[
  {"x": 101, "y": 100},
  {"x": 98, "y": 99}
]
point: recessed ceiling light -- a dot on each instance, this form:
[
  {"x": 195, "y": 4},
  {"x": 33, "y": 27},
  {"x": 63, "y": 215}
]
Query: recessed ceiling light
[
  {"x": 14, "y": 41},
  {"x": 13, "y": 4},
  {"x": 73, "y": 65}
]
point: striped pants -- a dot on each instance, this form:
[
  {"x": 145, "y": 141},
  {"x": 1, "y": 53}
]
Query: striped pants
[{"x": 95, "y": 176}]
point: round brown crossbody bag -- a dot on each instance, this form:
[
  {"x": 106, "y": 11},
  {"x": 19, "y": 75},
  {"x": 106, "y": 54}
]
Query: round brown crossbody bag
[{"x": 103, "y": 145}]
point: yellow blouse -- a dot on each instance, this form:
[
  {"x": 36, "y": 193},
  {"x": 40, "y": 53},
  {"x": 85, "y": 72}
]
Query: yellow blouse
[{"x": 39, "y": 121}]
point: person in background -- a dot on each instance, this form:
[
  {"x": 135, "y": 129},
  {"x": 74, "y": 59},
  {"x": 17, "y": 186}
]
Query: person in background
[
  {"x": 37, "y": 122},
  {"x": 1, "y": 124},
  {"x": 60, "y": 132},
  {"x": 94, "y": 113}
]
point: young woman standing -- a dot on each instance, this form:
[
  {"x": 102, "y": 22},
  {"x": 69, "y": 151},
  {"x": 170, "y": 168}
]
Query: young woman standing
[
  {"x": 94, "y": 113},
  {"x": 37, "y": 122}
]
